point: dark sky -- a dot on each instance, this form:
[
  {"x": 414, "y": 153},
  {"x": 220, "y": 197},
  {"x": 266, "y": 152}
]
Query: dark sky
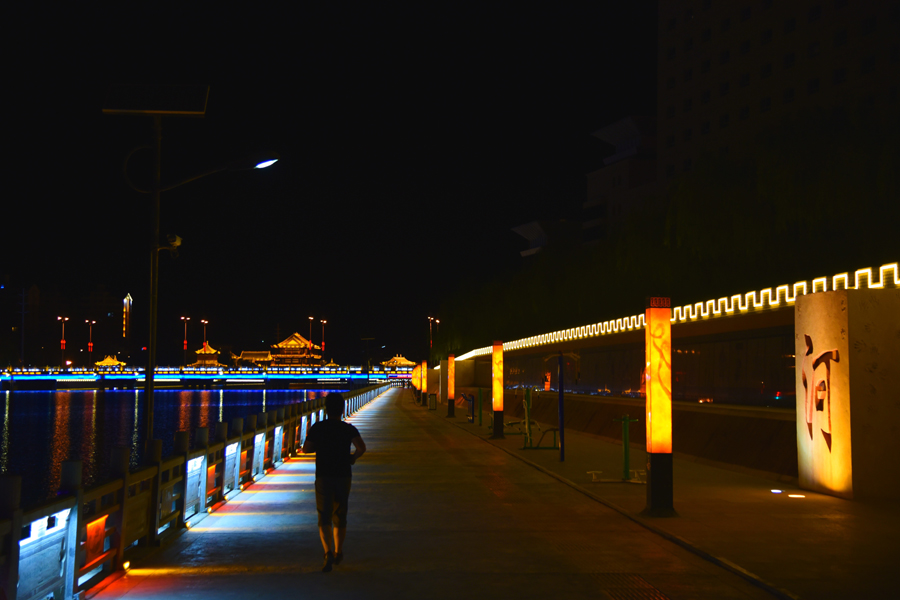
[{"x": 412, "y": 139}]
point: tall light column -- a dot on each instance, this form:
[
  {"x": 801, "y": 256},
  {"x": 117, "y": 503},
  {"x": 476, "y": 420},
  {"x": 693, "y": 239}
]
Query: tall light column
[
  {"x": 62, "y": 343},
  {"x": 185, "y": 319},
  {"x": 205, "y": 323},
  {"x": 309, "y": 346},
  {"x": 91, "y": 341},
  {"x": 497, "y": 389},
  {"x": 451, "y": 386},
  {"x": 658, "y": 382},
  {"x": 323, "y": 338}
]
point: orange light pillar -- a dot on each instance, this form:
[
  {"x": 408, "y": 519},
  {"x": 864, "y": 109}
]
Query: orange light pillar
[
  {"x": 658, "y": 383},
  {"x": 451, "y": 386},
  {"x": 424, "y": 383},
  {"x": 497, "y": 383}
]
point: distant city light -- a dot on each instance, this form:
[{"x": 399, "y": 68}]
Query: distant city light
[
  {"x": 776, "y": 491},
  {"x": 266, "y": 163}
]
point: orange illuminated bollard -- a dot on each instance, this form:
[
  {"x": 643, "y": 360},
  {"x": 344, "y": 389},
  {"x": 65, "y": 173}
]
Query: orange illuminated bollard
[
  {"x": 497, "y": 389},
  {"x": 451, "y": 386},
  {"x": 424, "y": 383},
  {"x": 658, "y": 383}
]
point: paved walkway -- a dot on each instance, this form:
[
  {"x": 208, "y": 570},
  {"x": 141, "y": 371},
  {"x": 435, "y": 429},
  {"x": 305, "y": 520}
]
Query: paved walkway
[
  {"x": 438, "y": 512},
  {"x": 817, "y": 546}
]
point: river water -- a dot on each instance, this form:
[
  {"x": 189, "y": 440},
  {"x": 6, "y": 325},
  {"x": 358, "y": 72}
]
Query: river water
[{"x": 42, "y": 429}]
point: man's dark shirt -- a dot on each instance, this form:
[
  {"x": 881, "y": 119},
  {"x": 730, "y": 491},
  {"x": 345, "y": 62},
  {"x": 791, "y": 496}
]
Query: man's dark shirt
[{"x": 331, "y": 441}]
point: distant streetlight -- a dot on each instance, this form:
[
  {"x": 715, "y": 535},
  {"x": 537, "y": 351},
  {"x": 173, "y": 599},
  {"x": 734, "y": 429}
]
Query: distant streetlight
[
  {"x": 430, "y": 341},
  {"x": 323, "y": 339},
  {"x": 185, "y": 319},
  {"x": 310, "y": 344},
  {"x": 157, "y": 102},
  {"x": 91, "y": 340},
  {"x": 62, "y": 343},
  {"x": 438, "y": 325},
  {"x": 205, "y": 323}
]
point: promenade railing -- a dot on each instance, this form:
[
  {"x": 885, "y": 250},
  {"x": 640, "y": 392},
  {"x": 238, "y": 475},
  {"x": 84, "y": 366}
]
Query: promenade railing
[{"x": 84, "y": 539}]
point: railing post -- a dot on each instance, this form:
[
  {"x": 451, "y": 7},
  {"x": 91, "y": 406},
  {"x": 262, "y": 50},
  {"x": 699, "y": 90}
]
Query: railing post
[
  {"x": 70, "y": 483},
  {"x": 154, "y": 457},
  {"x": 10, "y": 498},
  {"x": 120, "y": 468},
  {"x": 182, "y": 446}
]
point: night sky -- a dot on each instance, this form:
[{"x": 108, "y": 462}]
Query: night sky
[{"x": 411, "y": 138}]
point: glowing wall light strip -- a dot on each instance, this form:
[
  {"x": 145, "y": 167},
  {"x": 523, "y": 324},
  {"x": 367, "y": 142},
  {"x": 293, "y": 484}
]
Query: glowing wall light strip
[
  {"x": 451, "y": 378},
  {"x": 783, "y": 296},
  {"x": 497, "y": 376}
]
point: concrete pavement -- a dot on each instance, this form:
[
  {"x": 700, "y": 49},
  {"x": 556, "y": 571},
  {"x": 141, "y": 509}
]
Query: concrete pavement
[
  {"x": 435, "y": 512},
  {"x": 817, "y": 546}
]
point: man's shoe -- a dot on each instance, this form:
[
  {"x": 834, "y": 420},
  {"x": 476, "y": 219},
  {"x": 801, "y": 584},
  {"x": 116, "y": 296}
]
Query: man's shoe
[
  {"x": 329, "y": 560},
  {"x": 338, "y": 558}
]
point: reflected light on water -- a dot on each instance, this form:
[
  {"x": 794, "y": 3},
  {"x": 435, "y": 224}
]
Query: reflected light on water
[
  {"x": 184, "y": 411},
  {"x": 204, "y": 409},
  {"x": 135, "y": 434},
  {"x": 221, "y": 403},
  {"x": 4, "y": 449},
  {"x": 59, "y": 444}
]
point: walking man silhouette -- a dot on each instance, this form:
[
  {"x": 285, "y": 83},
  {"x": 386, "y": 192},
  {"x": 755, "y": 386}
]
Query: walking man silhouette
[{"x": 330, "y": 440}]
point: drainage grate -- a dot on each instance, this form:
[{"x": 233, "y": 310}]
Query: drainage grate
[{"x": 627, "y": 586}]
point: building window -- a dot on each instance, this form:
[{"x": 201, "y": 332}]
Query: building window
[
  {"x": 687, "y": 135},
  {"x": 789, "y": 60},
  {"x": 670, "y": 171},
  {"x": 812, "y": 86},
  {"x": 895, "y": 54},
  {"x": 688, "y": 102},
  {"x": 813, "y": 50},
  {"x": 840, "y": 76},
  {"x": 726, "y": 24},
  {"x": 688, "y": 44},
  {"x": 723, "y": 151},
  {"x": 790, "y": 25},
  {"x": 766, "y": 36},
  {"x": 670, "y": 83},
  {"x": 671, "y": 25},
  {"x": 704, "y": 66},
  {"x": 766, "y": 71},
  {"x": 745, "y": 80},
  {"x": 868, "y": 102},
  {"x": 867, "y": 65},
  {"x": 744, "y": 113},
  {"x": 724, "y": 88},
  {"x": 724, "y": 57},
  {"x": 688, "y": 74},
  {"x": 840, "y": 38},
  {"x": 670, "y": 112},
  {"x": 670, "y": 53},
  {"x": 670, "y": 141},
  {"x": 840, "y": 3},
  {"x": 704, "y": 127},
  {"x": 868, "y": 26},
  {"x": 745, "y": 47},
  {"x": 704, "y": 97},
  {"x": 705, "y": 35},
  {"x": 689, "y": 14},
  {"x": 745, "y": 14},
  {"x": 765, "y": 104},
  {"x": 766, "y": 4},
  {"x": 815, "y": 13},
  {"x": 723, "y": 121},
  {"x": 687, "y": 165},
  {"x": 788, "y": 95}
]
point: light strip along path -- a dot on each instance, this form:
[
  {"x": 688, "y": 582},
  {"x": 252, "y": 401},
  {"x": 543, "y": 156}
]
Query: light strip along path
[{"x": 434, "y": 513}]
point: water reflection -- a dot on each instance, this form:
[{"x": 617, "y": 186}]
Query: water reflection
[
  {"x": 59, "y": 442},
  {"x": 42, "y": 429},
  {"x": 4, "y": 448}
]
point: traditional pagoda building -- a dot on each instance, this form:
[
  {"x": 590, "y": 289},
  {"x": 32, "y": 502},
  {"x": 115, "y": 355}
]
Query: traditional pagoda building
[
  {"x": 207, "y": 356},
  {"x": 109, "y": 362},
  {"x": 398, "y": 361},
  {"x": 296, "y": 351}
]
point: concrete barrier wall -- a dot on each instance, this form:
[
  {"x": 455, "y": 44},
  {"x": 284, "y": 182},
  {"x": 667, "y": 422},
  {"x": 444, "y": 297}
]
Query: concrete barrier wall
[{"x": 761, "y": 440}]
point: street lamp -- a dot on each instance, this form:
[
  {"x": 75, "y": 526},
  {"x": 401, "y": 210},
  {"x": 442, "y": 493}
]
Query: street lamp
[
  {"x": 157, "y": 102},
  {"x": 323, "y": 339},
  {"x": 430, "y": 342},
  {"x": 62, "y": 343},
  {"x": 309, "y": 345},
  {"x": 185, "y": 319},
  {"x": 91, "y": 340},
  {"x": 205, "y": 323}
]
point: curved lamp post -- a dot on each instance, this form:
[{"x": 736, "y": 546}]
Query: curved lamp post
[
  {"x": 258, "y": 161},
  {"x": 62, "y": 343}
]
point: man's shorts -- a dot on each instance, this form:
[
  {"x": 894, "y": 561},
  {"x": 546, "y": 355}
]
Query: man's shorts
[{"x": 332, "y": 494}]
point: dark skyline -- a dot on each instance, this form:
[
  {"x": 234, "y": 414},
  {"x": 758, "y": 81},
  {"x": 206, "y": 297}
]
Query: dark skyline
[{"x": 410, "y": 144}]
